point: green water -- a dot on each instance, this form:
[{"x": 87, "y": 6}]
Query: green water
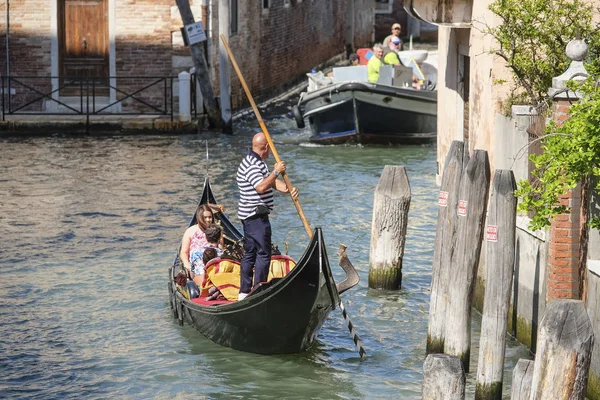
[{"x": 90, "y": 225}]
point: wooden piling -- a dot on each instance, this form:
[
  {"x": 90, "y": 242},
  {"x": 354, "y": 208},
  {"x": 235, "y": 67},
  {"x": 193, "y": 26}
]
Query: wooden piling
[
  {"x": 521, "y": 381},
  {"x": 388, "y": 229},
  {"x": 202, "y": 72},
  {"x": 457, "y": 157},
  {"x": 443, "y": 378},
  {"x": 499, "y": 235},
  {"x": 564, "y": 350},
  {"x": 472, "y": 201}
]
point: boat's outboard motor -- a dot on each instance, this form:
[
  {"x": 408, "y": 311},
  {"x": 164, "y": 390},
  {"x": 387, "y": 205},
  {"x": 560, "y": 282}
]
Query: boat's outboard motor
[{"x": 298, "y": 117}]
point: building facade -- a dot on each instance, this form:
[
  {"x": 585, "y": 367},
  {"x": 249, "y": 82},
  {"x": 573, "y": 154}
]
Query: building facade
[
  {"x": 131, "y": 49},
  {"x": 473, "y": 85}
]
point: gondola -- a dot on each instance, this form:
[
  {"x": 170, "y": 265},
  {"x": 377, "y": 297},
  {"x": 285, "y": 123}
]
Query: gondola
[{"x": 281, "y": 316}]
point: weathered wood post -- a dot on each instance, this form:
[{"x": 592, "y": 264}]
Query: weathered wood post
[
  {"x": 500, "y": 255},
  {"x": 471, "y": 208},
  {"x": 456, "y": 159},
  {"x": 564, "y": 351},
  {"x": 443, "y": 378},
  {"x": 521, "y": 382},
  {"x": 388, "y": 229},
  {"x": 202, "y": 75}
]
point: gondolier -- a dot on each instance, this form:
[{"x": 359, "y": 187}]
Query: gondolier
[{"x": 256, "y": 186}]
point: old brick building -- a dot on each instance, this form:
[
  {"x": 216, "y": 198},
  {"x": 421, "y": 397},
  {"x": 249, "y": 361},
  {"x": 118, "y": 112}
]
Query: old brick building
[{"x": 132, "y": 48}]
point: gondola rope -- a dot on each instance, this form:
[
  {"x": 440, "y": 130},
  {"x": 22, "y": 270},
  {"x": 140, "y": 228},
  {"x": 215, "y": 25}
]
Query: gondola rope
[{"x": 361, "y": 350}]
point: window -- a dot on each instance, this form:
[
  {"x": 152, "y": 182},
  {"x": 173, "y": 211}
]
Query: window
[
  {"x": 233, "y": 15},
  {"x": 287, "y": 3},
  {"x": 265, "y": 3},
  {"x": 384, "y": 6}
]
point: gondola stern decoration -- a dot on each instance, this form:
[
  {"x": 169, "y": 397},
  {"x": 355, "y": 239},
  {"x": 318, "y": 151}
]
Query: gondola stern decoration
[{"x": 352, "y": 277}]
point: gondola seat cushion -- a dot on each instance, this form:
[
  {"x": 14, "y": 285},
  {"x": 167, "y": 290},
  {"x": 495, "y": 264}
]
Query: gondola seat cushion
[{"x": 224, "y": 274}]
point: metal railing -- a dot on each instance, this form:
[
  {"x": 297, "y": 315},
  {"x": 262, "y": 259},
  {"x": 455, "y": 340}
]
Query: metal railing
[{"x": 88, "y": 90}]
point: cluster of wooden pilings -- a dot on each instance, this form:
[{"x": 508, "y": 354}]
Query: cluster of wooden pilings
[{"x": 465, "y": 220}]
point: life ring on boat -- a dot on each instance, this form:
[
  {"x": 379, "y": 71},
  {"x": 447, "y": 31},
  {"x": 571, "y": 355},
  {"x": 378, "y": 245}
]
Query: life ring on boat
[{"x": 298, "y": 117}]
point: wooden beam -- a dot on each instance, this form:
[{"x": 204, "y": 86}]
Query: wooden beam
[{"x": 202, "y": 73}]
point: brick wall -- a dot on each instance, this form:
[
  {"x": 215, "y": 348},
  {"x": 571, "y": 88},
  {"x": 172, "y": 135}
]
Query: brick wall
[
  {"x": 563, "y": 247},
  {"x": 29, "y": 48},
  {"x": 274, "y": 47},
  {"x": 143, "y": 48}
]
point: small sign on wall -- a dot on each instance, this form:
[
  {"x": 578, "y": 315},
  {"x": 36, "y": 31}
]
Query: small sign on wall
[{"x": 193, "y": 33}]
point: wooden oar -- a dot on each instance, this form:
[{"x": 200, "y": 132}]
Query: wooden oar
[
  {"x": 266, "y": 132},
  {"x": 361, "y": 350}
]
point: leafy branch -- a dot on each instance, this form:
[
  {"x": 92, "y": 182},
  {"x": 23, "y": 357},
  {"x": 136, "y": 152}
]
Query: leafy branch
[{"x": 571, "y": 155}]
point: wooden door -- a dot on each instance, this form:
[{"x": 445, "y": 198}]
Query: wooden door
[{"x": 83, "y": 41}]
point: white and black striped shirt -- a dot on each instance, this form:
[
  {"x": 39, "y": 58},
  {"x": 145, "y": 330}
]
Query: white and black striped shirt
[{"x": 251, "y": 172}]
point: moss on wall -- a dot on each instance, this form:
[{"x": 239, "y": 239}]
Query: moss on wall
[
  {"x": 478, "y": 294},
  {"x": 593, "y": 387},
  {"x": 523, "y": 330}
]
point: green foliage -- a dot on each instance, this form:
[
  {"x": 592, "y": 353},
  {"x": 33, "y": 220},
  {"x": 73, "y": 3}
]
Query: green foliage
[
  {"x": 571, "y": 154},
  {"x": 532, "y": 37}
]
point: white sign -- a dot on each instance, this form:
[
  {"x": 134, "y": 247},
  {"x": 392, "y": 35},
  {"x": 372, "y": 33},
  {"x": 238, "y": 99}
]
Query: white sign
[
  {"x": 195, "y": 33},
  {"x": 443, "y": 199},
  {"x": 492, "y": 233},
  {"x": 462, "y": 208}
]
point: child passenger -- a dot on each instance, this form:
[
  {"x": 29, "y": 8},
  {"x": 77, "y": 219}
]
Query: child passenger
[{"x": 214, "y": 236}]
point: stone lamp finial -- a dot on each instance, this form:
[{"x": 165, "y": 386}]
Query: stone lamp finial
[{"x": 577, "y": 49}]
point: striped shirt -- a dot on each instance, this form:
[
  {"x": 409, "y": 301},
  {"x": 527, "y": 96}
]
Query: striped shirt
[{"x": 251, "y": 172}]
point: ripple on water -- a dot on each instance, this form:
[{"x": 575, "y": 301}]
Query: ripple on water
[{"x": 90, "y": 226}]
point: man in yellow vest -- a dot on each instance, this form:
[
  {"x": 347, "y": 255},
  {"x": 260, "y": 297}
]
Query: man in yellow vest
[{"x": 375, "y": 62}]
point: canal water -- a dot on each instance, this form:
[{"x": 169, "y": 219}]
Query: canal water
[{"x": 90, "y": 225}]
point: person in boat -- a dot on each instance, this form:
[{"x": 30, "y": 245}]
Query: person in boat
[
  {"x": 396, "y": 29},
  {"x": 354, "y": 59},
  {"x": 375, "y": 63},
  {"x": 256, "y": 185},
  {"x": 213, "y": 292},
  {"x": 390, "y": 53},
  {"x": 214, "y": 237},
  {"x": 390, "y": 57},
  {"x": 194, "y": 238}
]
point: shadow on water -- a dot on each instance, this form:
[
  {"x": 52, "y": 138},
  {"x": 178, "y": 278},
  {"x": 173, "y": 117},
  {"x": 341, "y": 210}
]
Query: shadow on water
[{"x": 248, "y": 375}]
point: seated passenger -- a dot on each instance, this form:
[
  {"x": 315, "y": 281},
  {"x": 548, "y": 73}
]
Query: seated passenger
[
  {"x": 375, "y": 62},
  {"x": 391, "y": 57},
  {"x": 213, "y": 292},
  {"x": 214, "y": 236},
  {"x": 353, "y": 59},
  {"x": 194, "y": 238}
]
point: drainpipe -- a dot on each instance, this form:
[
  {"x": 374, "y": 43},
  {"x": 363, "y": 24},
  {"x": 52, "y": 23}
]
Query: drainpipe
[
  {"x": 205, "y": 14},
  {"x": 224, "y": 73},
  {"x": 7, "y": 32}
]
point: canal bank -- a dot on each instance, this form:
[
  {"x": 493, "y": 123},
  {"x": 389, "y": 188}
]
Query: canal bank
[{"x": 41, "y": 125}]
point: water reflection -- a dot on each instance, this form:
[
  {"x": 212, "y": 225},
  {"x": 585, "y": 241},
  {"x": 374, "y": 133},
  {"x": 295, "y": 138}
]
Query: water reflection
[
  {"x": 254, "y": 376},
  {"x": 90, "y": 226}
]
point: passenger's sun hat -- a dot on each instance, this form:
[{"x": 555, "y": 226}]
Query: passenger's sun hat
[{"x": 396, "y": 25}]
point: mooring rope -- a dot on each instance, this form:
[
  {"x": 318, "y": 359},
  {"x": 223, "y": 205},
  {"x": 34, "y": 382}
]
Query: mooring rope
[{"x": 361, "y": 350}]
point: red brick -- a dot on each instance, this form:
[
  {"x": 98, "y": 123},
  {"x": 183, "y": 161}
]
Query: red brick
[{"x": 560, "y": 285}]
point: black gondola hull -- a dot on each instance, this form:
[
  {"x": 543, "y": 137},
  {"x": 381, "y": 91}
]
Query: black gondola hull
[{"x": 283, "y": 318}]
